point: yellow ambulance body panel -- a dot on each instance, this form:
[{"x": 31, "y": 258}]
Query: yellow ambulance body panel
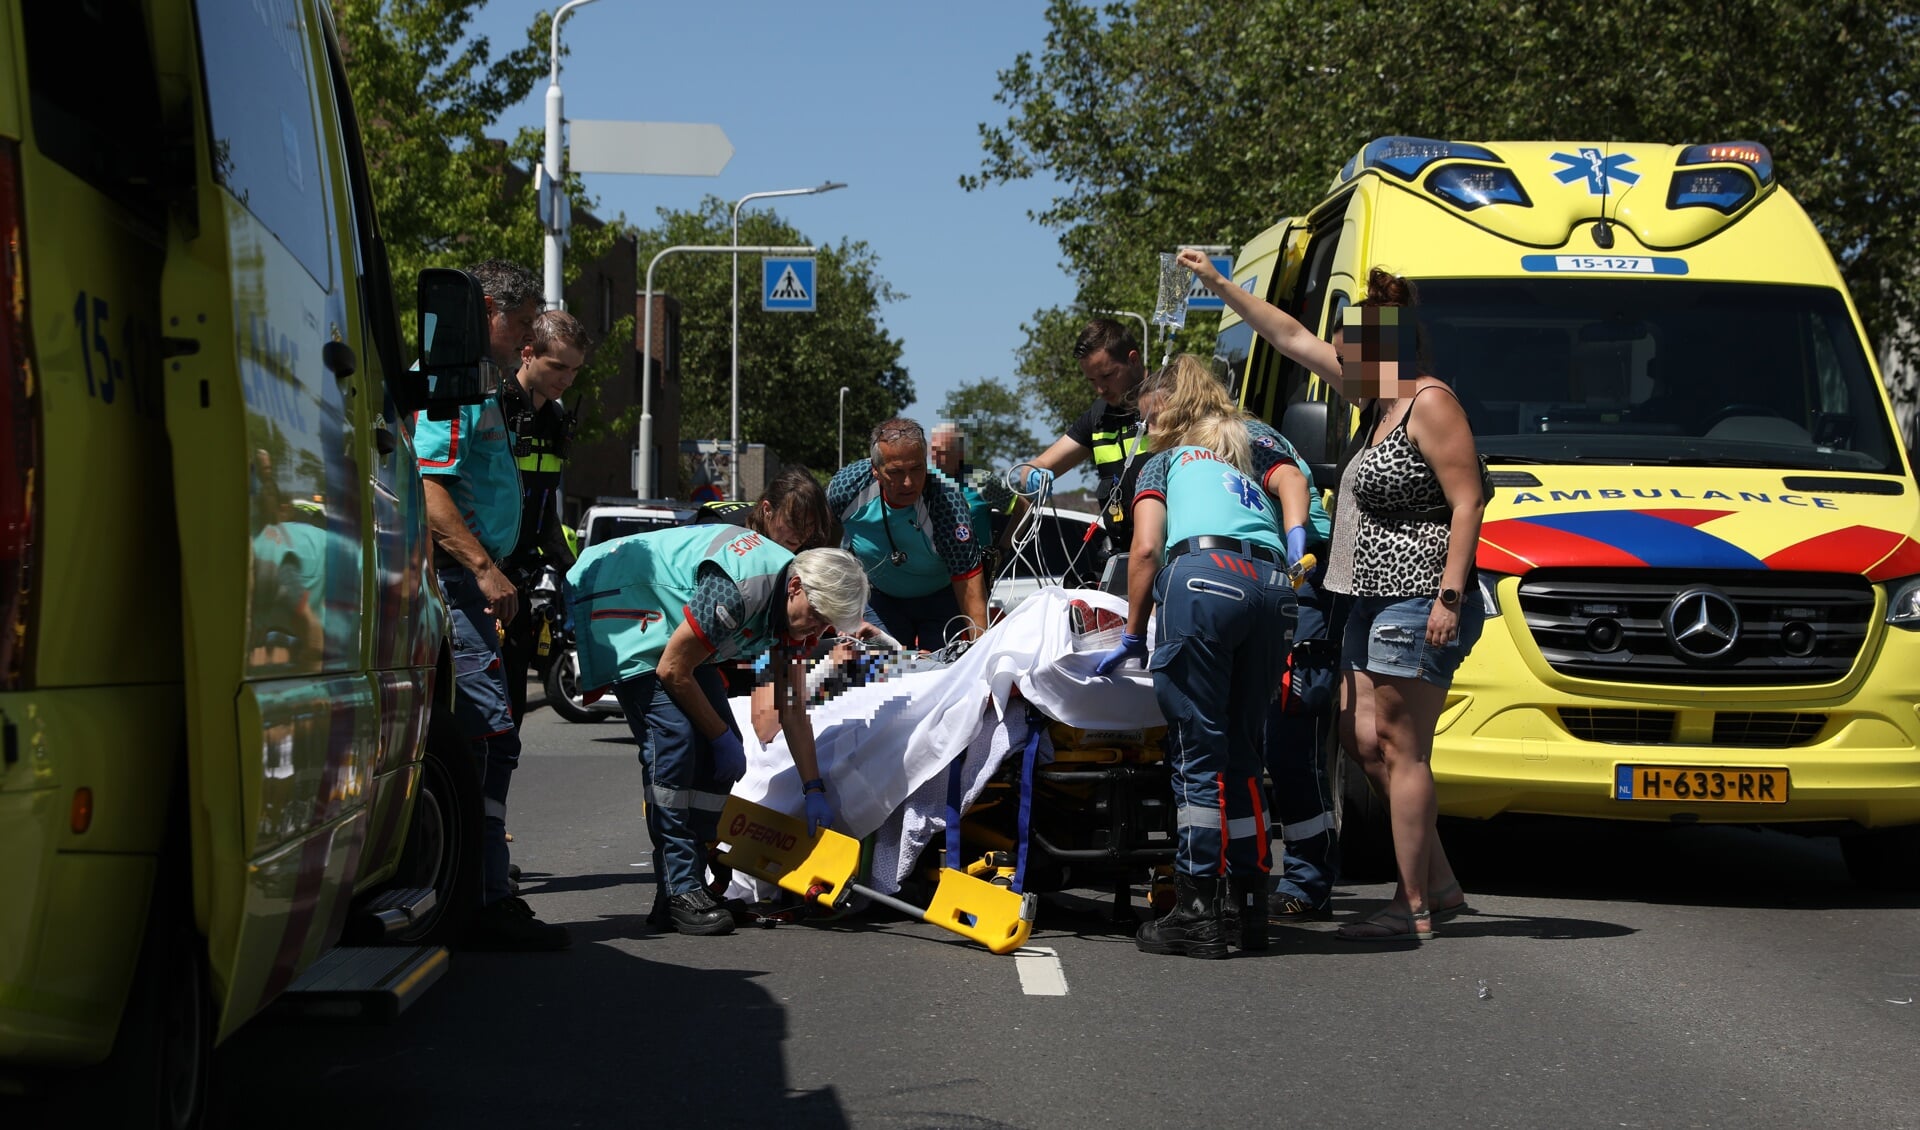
[{"x": 222, "y": 634}]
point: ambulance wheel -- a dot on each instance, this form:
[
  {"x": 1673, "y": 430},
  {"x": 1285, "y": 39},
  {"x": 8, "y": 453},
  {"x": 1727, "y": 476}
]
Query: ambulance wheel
[
  {"x": 1359, "y": 819},
  {"x": 443, "y": 848},
  {"x": 1884, "y": 859},
  {"x": 563, "y": 689},
  {"x": 159, "y": 1072}
]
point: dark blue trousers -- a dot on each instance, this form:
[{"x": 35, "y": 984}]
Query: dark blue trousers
[
  {"x": 1225, "y": 625},
  {"x": 683, "y": 797}
]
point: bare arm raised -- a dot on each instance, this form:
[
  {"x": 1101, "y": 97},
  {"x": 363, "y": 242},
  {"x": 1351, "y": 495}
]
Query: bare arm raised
[{"x": 1280, "y": 329}]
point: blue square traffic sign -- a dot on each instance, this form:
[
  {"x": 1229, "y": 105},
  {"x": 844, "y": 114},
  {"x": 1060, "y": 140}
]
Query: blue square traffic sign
[
  {"x": 1199, "y": 297},
  {"x": 786, "y": 285}
]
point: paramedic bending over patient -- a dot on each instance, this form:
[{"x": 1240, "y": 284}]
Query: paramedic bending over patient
[
  {"x": 1226, "y": 623},
  {"x": 657, "y": 613}
]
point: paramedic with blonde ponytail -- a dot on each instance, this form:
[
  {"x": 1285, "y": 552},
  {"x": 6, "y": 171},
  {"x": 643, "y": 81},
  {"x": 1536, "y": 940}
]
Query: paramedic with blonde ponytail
[{"x": 1209, "y": 552}]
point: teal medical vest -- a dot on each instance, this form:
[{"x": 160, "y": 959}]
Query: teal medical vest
[{"x": 629, "y": 595}]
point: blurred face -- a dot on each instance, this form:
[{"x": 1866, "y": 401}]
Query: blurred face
[
  {"x": 902, "y": 472},
  {"x": 547, "y": 376},
  {"x": 1113, "y": 378},
  {"x": 946, "y": 452},
  {"x": 510, "y": 331},
  {"x": 1369, "y": 345},
  {"x": 802, "y": 620}
]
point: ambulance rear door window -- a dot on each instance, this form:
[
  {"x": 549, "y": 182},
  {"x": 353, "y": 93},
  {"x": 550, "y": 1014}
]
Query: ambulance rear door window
[
  {"x": 107, "y": 133},
  {"x": 260, "y": 98}
]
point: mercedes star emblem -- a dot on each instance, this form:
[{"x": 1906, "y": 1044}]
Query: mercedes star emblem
[{"x": 1703, "y": 624}]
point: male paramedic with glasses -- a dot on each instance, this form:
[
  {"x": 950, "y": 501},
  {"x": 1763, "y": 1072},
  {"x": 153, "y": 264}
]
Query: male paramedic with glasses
[{"x": 912, "y": 530}]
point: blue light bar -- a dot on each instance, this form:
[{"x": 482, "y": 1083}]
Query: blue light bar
[
  {"x": 1723, "y": 190},
  {"x": 1752, "y": 154},
  {"x": 1404, "y": 157},
  {"x": 1467, "y": 187}
]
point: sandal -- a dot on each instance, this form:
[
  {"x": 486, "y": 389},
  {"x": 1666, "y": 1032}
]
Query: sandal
[
  {"x": 1453, "y": 909},
  {"x": 1389, "y": 925}
]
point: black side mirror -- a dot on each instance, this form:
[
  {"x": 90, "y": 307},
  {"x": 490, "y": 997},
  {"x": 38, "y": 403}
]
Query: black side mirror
[
  {"x": 456, "y": 363},
  {"x": 1306, "y": 425}
]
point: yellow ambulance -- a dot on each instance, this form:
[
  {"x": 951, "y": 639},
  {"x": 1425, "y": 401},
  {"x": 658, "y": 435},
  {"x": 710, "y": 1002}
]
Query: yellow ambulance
[
  {"x": 222, "y": 643},
  {"x": 1700, "y": 567}
]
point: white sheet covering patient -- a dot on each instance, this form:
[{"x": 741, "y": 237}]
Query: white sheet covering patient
[{"x": 883, "y": 748}]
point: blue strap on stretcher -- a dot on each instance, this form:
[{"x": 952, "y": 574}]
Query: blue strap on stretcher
[
  {"x": 956, "y": 793},
  {"x": 1026, "y": 800}
]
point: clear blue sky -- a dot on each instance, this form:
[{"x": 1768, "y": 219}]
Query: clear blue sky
[{"x": 885, "y": 95}]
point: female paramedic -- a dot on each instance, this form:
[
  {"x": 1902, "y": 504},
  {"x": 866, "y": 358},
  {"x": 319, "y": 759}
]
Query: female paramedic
[
  {"x": 657, "y": 613},
  {"x": 1208, "y": 550}
]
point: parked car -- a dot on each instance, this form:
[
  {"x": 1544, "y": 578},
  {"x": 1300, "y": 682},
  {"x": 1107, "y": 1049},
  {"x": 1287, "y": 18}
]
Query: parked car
[{"x": 1058, "y": 551}]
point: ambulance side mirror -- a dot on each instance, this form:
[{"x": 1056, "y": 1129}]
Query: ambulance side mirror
[
  {"x": 1305, "y": 425},
  {"x": 456, "y": 364}
]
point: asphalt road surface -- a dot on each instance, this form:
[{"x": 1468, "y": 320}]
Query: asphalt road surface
[{"x": 1634, "y": 976}]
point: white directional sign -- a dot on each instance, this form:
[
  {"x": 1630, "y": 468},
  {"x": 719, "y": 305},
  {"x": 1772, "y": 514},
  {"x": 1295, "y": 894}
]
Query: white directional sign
[
  {"x": 661, "y": 149},
  {"x": 787, "y": 285},
  {"x": 1199, "y": 297}
]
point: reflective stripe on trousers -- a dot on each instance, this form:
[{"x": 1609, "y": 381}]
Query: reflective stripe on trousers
[{"x": 684, "y": 799}]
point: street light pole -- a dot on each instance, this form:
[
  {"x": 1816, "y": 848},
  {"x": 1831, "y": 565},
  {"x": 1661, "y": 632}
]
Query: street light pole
[
  {"x": 826, "y": 186},
  {"x": 552, "y": 167},
  {"x": 644, "y": 486},
  {"x": 843, "y": 427}
]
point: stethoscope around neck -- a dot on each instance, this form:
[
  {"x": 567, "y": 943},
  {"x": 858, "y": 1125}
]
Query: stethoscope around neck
[{"x": 898, "y": 556}]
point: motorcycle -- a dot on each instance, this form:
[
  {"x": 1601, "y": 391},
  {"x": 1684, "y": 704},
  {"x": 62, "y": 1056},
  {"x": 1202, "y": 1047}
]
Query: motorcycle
[{"x": 555, "y": 659}]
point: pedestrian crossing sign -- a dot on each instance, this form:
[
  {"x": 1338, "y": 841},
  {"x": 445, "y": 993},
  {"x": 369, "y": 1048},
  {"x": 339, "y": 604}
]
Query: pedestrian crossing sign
[
  {"x": 1199, "y": 297},
  {"x": 787, "y": 285}
]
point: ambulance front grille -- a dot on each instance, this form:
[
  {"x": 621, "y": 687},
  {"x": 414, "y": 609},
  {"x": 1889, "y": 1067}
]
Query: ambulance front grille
[{"x": 1778, "y": 629}]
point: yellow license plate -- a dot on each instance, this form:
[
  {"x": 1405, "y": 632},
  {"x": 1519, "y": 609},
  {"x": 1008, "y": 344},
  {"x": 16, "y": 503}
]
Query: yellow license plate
[{"x": 1718, "y": 784}]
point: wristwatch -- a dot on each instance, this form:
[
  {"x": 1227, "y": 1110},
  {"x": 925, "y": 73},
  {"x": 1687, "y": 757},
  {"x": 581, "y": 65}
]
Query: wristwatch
[{"x": 1449, "y": 597}]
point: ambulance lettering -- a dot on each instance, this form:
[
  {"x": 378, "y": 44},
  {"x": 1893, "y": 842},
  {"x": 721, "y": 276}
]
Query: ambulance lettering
[
  {"x": 742, "y": 546},
  {"x": 1611, "y": 494}
]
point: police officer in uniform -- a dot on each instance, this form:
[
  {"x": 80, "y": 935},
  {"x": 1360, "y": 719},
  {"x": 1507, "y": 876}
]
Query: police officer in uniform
[
  {"x": 1109, "y": 430},
  {"x": 658, "y": 613},
  {"x": 542, "y": 432}
]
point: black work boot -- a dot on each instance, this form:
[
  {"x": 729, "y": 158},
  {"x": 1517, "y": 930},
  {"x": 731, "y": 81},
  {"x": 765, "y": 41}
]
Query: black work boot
[
  {"x": 696, "y": 913},
  {"x": 1192, "y": 927},
  {"x": 509, "y": 924},
  {"x": 660, "y": 918},
  {"x": 1245, "y": 911}
]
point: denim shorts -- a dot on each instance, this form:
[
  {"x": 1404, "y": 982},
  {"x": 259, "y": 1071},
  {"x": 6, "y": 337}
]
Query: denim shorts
[{"x": 1387, "y": 635}]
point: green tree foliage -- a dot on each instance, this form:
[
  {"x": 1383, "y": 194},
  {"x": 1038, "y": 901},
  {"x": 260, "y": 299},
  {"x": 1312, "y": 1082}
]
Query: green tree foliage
[
  {"x": 995, "y": 421},
  {"x": 1192, "y": 121},
  {"x": 792, "y": 366},
  {"x": 427, "y": 92},
  {"x": 1045, "y": 367}
]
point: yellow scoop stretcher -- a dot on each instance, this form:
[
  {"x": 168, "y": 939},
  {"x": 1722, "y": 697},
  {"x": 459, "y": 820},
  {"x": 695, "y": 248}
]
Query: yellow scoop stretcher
[{"x": 775, "y": 847}]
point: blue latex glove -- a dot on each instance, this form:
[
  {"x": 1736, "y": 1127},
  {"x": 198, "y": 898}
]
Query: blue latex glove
[
  {"x": 1038, "y": 479},
  {"x": 1296, "y": 545},
  {"x": 819, "y": 813},
  {"x": 1131, "y": 647},
  {"x": 729, "y": 758}
]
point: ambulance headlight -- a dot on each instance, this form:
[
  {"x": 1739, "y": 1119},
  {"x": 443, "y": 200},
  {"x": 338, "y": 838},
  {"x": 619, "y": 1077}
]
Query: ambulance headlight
[
  {"x": 1903, "y": 605},
  {"x": 1489, "y": 584}
]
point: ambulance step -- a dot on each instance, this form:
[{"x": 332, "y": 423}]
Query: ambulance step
[
  {"x": 365, "y": 982},
  {"x": 390, "y": 912}
]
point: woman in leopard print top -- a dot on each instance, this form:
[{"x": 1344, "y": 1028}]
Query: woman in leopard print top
[{"x": 1403, "y": 542}]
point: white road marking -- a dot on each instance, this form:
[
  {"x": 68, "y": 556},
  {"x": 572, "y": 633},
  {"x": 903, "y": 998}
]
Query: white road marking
[{"x": 1040, "y": 972}]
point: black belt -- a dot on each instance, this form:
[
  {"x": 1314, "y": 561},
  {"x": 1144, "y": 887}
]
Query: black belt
[{"x": 1231, "y": 545}]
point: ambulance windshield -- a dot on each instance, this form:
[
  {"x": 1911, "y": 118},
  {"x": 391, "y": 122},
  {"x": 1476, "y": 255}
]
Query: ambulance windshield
[{"x": 1658, "y": 371}]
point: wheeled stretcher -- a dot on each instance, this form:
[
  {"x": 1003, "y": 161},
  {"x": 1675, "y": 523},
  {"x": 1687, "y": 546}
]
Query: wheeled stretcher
[{"x": 1058, "y": 770}]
